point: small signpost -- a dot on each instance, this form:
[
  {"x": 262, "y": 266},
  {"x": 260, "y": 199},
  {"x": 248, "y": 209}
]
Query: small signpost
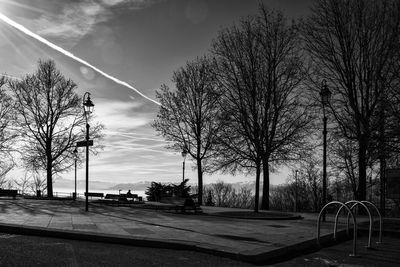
[{"x": 83, "y": 143}]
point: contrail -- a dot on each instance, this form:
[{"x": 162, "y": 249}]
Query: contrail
[{"x": 69, "y": 54}]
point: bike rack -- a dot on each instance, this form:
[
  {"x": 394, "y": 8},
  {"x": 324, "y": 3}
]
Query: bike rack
[
  {"x": 355, "y": 203},
  {"x": 380, "y": 219},
  {"x": 354, "y": 222}
]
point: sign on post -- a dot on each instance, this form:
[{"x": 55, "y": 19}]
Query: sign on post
[
  {"x": 83, "y": 143},
  {"x": 393, "y": 183}
]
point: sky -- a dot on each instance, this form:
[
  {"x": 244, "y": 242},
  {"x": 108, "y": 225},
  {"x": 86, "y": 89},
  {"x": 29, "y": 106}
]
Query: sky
[{"x": 122, "y": 51}]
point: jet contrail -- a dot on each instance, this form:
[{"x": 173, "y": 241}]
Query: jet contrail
[{"x": 70, "y": 55}]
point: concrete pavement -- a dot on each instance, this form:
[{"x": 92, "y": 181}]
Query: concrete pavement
[{"x": 255, "y": 241}]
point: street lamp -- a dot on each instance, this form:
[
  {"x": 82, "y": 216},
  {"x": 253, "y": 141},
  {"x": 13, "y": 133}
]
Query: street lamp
[
  {"x": 325, "y": 98},
  {"x": 75, "y": 159},
  {"x": 296, "y": 193},
  {"x": 184, "y": 153},
  {"x": 88, "y": 109}
]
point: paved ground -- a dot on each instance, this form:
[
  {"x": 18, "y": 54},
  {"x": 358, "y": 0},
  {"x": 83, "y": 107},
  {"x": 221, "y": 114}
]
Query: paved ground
[
  {"x": 385, "y": 254},
  {"x": 248, "y": 240},
  {"x": 22, "y": 250}
]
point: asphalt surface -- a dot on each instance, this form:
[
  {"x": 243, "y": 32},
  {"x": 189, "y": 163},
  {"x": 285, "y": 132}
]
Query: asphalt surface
[
  {"x": 17, "y": 250},
  {"x": 386, "y": 254},
  {"x": 203, "y": 237}
]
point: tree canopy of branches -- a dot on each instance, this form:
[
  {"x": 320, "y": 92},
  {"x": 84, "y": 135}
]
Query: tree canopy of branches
[
  {"x": 50, "y": 119},
  {"x": 260, "y": 69},
  {"x": 354, "y": 45},
  {"x": 187, "y": 116},
  {"x": 7, "y": 135}
]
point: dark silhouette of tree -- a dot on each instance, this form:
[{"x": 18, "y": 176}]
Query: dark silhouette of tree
[
  {"x": 7, "y": 134},
  {"x": 50, "y": 119},
  {"x": 354, "y": 45},
  {"x": 187, "y": 116},
  {"x": 260, "y": 69}
]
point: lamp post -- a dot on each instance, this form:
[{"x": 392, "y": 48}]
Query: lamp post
[
  {"x": 88, "y": 108},
  {"x": 75, "y": 159},
  {"x": 325, "y": 98},
  {"x": 296, "y": 192},
  {"x": 184, "y": 153}
]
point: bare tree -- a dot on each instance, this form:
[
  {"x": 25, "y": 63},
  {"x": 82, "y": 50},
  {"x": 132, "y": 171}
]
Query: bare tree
[
  {"x": 23, "y": 183},
  {"x": 50, "y": 118},
  {"x": 7, "y": 134},
  {"x": 344, "y": 159},
  {"x": 187, "y": 116},
  {"x": 38, "y": 183},
  {"x": 310, "y": 174},
  {"x": 354, "y": 45},
  {"x": 260, "y": 68}
]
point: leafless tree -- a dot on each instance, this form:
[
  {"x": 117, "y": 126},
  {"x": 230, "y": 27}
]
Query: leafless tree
[
  {"x": 187, "y": 116},
  {"x": 354, "y": 45},
  {"x": 259, "y": 66},
  {"x": 23, "y": 183},
  {"x": 38, "y": 183},
  {"x": 7, "y": 133},
  {"x": 50, "y": 120}
]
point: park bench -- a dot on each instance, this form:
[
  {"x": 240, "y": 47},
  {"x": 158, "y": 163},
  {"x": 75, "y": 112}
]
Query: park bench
[
  {"x": 121, "y": 199},
  {"x": 94, "y": 194},
  {"x": 8, "y": 193},
  {"x": 182, "y": 204}
]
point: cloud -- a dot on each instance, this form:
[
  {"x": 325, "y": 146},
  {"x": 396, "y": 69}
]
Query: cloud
[
  {"x": 131, "y": 147},
  {"x": 73, "y": 21},
  {"x": 70, "y": 21},
  {"x": 130, "y": 4},
  {"x": 122, "y": 116}
]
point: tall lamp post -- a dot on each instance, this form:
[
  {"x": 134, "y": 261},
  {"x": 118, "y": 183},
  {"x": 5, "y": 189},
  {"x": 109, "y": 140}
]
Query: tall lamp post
[
  {"x": 296, "y": 192},
  {"x": 184, "y": 153},
  {"x": 325, "y": 98},
  {"x": 75, "y": 159},
  {"x": 88, "y": 109}
]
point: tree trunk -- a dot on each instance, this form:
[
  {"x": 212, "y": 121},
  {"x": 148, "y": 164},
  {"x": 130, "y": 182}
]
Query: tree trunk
[
  {"x": 49, "y": 170},
  {"x": 200, "y": 182},
  {"x": 257, "y": 195},
  {"x": 315, "y": 193},
  {"x": 362, "y": 170},
  {"x": 265, "y": 195},
  {"x": 382, "y": 163}
]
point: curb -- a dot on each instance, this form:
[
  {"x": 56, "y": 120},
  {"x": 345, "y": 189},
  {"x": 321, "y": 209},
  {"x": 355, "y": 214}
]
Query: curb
[
  {"x": 283, "y": 218},
  {"x": 270, "y": 257}
]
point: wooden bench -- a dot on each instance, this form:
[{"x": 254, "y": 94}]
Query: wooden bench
[
  {"x": 8, "y": 193},
  {"x": 94, "y": 194},
  {"x": 112, "y": 196},
  {"x": 180, "y": 203},
  {"x": 121, "y": 200}
]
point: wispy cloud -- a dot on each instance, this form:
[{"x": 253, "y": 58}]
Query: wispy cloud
[
  {"x": 70, "y": 55},
  {"x": 72, "y": 20},
  {"x": 122, "y": 116}
]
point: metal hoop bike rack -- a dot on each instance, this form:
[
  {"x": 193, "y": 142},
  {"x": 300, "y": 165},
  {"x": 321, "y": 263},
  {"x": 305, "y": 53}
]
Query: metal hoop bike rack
[
  {"x": 354, "y": 223},
  {"x": 355, "y": 204},
  {"x": 380, "y": 219}
]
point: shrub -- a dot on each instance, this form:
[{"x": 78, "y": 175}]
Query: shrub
[{"x": 156, "y": 191}]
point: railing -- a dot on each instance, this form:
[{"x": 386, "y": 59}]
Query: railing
[{"x": 354, "y": 203}]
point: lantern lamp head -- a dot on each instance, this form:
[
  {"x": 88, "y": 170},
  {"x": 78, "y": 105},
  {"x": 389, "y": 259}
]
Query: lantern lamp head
[
  {"x": 325, "y": 94},
  {"x": 184, "y": 153},
  {"x": 88, "y": 105},
  {"x": 75, "y": 153}
]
